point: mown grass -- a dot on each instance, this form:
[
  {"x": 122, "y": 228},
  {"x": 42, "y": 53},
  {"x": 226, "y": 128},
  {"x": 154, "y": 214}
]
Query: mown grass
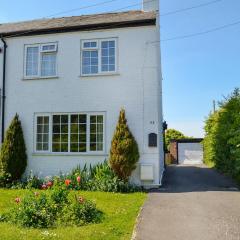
[{"x": 120, "y": 212}]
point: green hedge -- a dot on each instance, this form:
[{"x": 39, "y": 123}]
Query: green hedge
[{"x": 222, "y": 139}]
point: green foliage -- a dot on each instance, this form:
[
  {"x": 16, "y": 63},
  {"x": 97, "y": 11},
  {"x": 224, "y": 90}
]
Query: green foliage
[
  {"x": 81, "y": 212},
  {"x": 52, "y": 208},
  {"x": 222, "y": 139},
  {"x": 13, "y": 158},
  {"x": 170, "y": 135},
  {"x": 124, "y": 152}
]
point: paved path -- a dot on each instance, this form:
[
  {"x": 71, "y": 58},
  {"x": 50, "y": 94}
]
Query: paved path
[{"x": 195, "y": 203}]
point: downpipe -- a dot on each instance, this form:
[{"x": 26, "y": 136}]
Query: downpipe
[{"x": 3, "y": 87}]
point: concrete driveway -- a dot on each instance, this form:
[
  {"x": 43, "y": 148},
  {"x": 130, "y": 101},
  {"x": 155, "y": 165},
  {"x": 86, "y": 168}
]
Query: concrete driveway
[{"x": 195, "y": 203}]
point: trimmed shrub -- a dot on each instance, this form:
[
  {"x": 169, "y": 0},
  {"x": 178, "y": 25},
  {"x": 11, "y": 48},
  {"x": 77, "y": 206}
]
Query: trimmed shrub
[
  {"x": 222, "y": 139},
  {"x": 124, "y": 152},
  {"x": 13, "y": 158}
]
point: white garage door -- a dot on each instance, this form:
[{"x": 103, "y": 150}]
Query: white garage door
[{"x": 190, "y": 153}]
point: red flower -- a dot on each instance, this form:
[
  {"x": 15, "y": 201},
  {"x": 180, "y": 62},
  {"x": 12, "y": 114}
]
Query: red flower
[
  {"x": 44, "y": 186},
  {"x": 36, "y": 194},
  {"x": 17, "y": 200},
  {"x": 78, "y": 179},
  {"x": 67, "y": 182},
  {"x": 49, "y": 184}
]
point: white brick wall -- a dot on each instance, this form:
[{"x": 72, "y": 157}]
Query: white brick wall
[{"x": 135, "y": 88}]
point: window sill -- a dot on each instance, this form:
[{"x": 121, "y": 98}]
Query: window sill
[
  {"x": 68, "y": 154},
  {"x": 99, "y": 75},
  {"x": 40, "y": 78}
]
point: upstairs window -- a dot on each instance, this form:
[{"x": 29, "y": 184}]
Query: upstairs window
[
  {"x": 40, "y": 60},
  {"x": 98, "y": 56}
]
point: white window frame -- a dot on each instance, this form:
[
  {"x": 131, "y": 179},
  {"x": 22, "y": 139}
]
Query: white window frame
[
  {"x": 40, "y": 51},
  {"x": 88, "y": 151},
  {"x": 99, "y": 49}
]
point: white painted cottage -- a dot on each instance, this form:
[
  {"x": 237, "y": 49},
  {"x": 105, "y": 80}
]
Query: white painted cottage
[{"x": 68, "y": 78}]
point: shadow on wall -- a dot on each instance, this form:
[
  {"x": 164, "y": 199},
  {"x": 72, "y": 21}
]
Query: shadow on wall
[{"x": 180, "y": 178}]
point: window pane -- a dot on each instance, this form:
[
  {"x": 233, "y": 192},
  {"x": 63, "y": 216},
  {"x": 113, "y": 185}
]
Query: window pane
[
  {"x": 60, "y": 133},
  {"x": 56, "y": 147},
  {"x": 78, "y": 133},
  {"x": 108, "y": 56},
  {"x": 48, "y": 64},
  {"x": 96, "y": 133},
  {"x": 49, "y": 47},
  {"x": 32, "y": 61},
  {"x": 74, "y": 147},
  {"x": 82, "y": 147},
  {"x": 90, "y": 62},
  {"x": 42, "y": 134}
]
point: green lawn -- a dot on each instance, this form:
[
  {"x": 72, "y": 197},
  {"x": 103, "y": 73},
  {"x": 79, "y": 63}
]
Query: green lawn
[{"x": 120, "y": 212}]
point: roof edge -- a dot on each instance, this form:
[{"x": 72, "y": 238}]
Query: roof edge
[{"x": 98, "y": 26}]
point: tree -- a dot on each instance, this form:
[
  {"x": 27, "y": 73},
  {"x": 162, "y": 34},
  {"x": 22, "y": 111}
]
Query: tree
[
  {"x": 13, "y": 157},
  {"x": 172, "y": 134},
  {"x": 124, "y": 152}
]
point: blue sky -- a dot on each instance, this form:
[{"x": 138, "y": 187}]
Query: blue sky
[{"x": 195, "y": 71}]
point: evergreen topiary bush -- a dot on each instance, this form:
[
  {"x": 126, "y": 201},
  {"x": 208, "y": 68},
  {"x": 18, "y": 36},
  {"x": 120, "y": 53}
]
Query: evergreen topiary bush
[
  {"x": 124, "y": 152},
  {"x": 13, "y": 157}
]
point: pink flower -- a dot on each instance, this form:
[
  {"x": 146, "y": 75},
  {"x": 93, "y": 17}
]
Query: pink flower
[
  {"x": 44, "y": 186},
  {"x": 78, "y": 179},
  {"x": 17, "y": 200},
  {"x": 36, "y": 194}
]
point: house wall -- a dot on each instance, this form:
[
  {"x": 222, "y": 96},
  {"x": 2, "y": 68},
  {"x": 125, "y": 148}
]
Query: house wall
[{"x": 135, "y": 88}]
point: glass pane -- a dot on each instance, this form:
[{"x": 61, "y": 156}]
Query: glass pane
[
  {"x": 100, "y": 119},
  {"x": 82, "y": 118},
  {"x": 56, "y": 138},
  {"x": 93, "y": 119},
  {"x": 40, "y": 128},
  {"x": 74, "y": 147},
  {"x": 39, "y": 137},
  {"x": 39, "y": 147},
  {"x": 56, "y": 147},
  {"x": 108, "y": 56},
  {"x": 93, "y": 147},
  {"x": 32, "y": 61},
  {"x": 46, "y": 128},
  {"x": 40, "y": 120},
  {"x": 45, "y": 146},
  {"x": 45, "y": 138},
  {"x": 64, "y": 119},
  {"x": 82, "y": 128},
  {"x": 74, "y": 138},
  {"x": 94, "y": 69},
  {"x": 56, "y": 128},
  {"x": 82, "y": 147},
  {"x": 99, "y": 147},
  {"x": 64, "y": 147},
  {"x": 93, "y": 138},
  {"x": 64, "y": 128},
  {"x": 74, "y": 128},
  {"x": 93, "y": 128},
  {"x": 86, "y": 54},
  {"x": 64, "y": 138},
  {"x": 48, "y": 64},
  {"x": 82, "y": 138},
  {"x": 99, "y": 137},
  {"x": 56, "y": 119},
  {"x": 74, "y": 118}
]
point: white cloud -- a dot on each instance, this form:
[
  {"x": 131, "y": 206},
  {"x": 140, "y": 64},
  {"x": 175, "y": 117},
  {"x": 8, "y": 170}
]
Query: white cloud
[{"x": 189, "y": 128}]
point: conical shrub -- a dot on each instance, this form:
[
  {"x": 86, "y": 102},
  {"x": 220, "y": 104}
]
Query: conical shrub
[
  {"x": 13, "y": 157},
  {"x": 124, "y": 152}
]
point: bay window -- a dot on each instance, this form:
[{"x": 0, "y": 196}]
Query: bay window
[
  {"x": 98, "y": 56},
  {"x": 40, "y": 60},
  {"x": 70, "y": 133}
]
